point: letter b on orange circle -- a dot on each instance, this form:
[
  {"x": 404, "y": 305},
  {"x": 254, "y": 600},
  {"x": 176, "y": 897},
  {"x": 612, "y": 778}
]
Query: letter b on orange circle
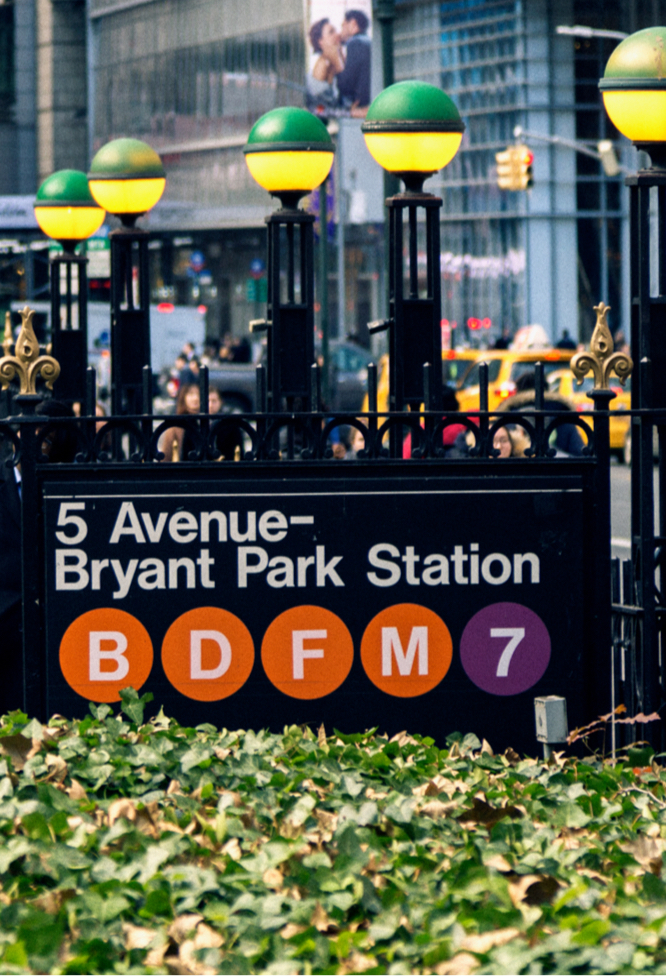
[
  {"x": 406, "y": 650},
  {"x": 207, "y": 654},
  {"x": 307, "y": 652},
  {"x": 103, "y": 651}
]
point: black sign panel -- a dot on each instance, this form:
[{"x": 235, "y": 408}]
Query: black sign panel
[{"x": 431, "y": 604}]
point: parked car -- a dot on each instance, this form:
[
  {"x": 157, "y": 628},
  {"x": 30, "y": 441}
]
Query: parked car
[
  {"x": 455, "y": 363},
  {"x": 237, "y": 382},
  {"x": 505, "y": 366}
]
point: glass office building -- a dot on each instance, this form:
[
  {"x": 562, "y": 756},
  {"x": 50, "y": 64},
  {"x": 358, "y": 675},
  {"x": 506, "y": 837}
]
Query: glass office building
[{"x": 192, "y": 76}]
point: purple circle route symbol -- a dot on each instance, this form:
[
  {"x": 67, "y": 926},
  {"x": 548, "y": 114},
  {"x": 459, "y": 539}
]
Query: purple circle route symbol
[{"x": 505, "y": 649}]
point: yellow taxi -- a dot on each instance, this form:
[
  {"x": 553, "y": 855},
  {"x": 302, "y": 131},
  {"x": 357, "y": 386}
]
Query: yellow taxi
[
  {"x": 505, "y": 367},
  {"x": 455, "y": 363},
  {"x": 563, "y": 382}
]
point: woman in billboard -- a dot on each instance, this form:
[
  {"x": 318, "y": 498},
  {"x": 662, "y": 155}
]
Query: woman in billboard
[{"x": 321, "y": 84}]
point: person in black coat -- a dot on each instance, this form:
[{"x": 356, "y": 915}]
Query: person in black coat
[{"x": 354, "y": 79}]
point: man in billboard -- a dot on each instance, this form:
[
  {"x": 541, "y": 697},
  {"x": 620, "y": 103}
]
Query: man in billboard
[{"x": 354, "y": 79}]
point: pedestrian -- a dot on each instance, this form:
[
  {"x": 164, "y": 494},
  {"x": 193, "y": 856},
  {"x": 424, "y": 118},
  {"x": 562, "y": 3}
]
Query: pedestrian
[
  {"x": 228, "y": 436},
  {"x": 176, "y": 443}
]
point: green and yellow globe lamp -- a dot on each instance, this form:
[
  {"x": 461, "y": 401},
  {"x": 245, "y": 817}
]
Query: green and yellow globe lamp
[
  {"x": 289, "y": 153},
  {"x": 634, "y": 91},
  {"x": 65, "y": 209},
  {"x": 413, "y": 130},
  {"x": 127, "y": 178}
]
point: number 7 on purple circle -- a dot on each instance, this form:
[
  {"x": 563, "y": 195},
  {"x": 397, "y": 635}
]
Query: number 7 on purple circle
[
  {"x": 516, "y": 634},
  {"x": 505, "y": 649}
]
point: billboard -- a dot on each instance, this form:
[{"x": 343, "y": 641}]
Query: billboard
[{"x": 338, "y": 57}]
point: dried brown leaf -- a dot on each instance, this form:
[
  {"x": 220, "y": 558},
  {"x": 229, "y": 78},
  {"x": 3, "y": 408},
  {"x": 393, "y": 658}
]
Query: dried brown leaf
[
  {"x": 52, "y": 901},
  {"x": 122, "y": 808},
  {"x": 184, "y": 927},
  {"x": 57, "y": 768},
  {"x": 273, "y": 878},
  {"x": 462, "y": 964},
  {"x": 76, "y": 791},
  {"x": 533, "y": 889},
  {"x": 221, "y": 753},
  {"x": 486, "y": 815},
  {"x": 174, "y": 787},
  {"x": 436, "y": 809},
  {"x": 19, "y": 749},
  {"x": 326, "y": 819},
  {"x": 371, "y": 794},
  {"x": 358, "y": 963},
  {"x": 138, "y": 937},
  {"x": 404, "y": 739},
  {"x": 647, "y": 851},
  {"x": 486, "y": 749},
  {"x": 232, "y": 849},
  {"x": 511, "y": 756},
  {"x": 321, "y": 736},
  {"x": 489, "y": 940},
  {"x": 320, "y": 919},
  {"x": 499, "y": 863},
  {"x": 291, "y": 929}
]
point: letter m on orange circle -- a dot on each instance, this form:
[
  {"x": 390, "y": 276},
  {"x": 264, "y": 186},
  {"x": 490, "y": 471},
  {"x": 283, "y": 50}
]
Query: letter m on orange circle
[{"x": 406, "y": 650}]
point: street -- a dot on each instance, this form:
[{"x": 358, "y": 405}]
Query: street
[{"x": 621, "y": 509}]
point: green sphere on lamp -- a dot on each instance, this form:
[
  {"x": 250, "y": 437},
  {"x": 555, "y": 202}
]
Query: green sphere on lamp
[
  {"x": 127, "y": 178},
  {"x": 412, "y": 130},
  {"x": 65, "y": 209},
  {"x": 634, "y": 91},
  {"x": 289, "y": 152}
]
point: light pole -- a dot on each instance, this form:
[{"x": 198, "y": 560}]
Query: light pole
[
  {"x": 412, "y": 130},
  {"x": 289, "y": 152},
  {"x": 634, "y": 94},
  {"x": 66, "y": 211},
  {"x": 127, "y": 178}
]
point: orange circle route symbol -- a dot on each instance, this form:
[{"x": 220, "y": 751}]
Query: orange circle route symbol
[
  {"x": 307, "y": 652},
  {"x": 406, "y": 650},
  {"x": 207, "y": 654},
  {"x": 103, "y": 651}
]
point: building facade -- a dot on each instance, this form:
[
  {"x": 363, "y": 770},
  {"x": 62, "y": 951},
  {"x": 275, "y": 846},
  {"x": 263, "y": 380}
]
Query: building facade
[{"x": 192, "y": 76}]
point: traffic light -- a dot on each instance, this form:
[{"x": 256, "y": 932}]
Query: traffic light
[
  {"x": 507, "y": 172},
  {"x": 514, "y": 168},
  {"x": 525, "y": 159}
]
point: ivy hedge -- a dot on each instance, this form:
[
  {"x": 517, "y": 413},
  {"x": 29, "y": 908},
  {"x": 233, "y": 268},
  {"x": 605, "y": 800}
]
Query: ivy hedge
[{"x": 147, "y": 847}]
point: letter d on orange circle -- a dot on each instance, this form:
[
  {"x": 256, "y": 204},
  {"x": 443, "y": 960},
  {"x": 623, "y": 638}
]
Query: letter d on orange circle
[
  {"x": 103, "y": 651},
  {"x": 406, "y": 650},
  {"x": 207, "y": 654},
  {"x": 307, "y": 652}
]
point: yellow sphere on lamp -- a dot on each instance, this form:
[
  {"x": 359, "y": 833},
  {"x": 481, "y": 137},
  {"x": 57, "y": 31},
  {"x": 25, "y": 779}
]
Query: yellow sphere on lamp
[
  {"x": 412, "y": 130},
  {"x": 127, "y": 178},
  {"x": 289, "y": 153},
  {"x": 65, "y": 209},
  {"x": 634, "y": 91}
]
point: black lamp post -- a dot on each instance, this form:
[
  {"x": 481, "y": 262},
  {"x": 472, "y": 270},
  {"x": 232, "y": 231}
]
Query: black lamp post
[
  {"x": 127, "y": 179},
  {"x": 66, "y": 212},
  {"x": 289, "y": 152},
  {"x": 412, "y": 130},
  {"x": 634, "y": 93}
]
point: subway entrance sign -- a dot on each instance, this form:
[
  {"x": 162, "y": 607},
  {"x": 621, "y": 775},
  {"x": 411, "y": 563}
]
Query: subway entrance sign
[{"x": 433, "y": 604}]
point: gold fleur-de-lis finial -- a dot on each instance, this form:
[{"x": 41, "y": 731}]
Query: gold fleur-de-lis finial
[
  {"x": 601, "y": 359},
  {"x": 26, "y": 363}
]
